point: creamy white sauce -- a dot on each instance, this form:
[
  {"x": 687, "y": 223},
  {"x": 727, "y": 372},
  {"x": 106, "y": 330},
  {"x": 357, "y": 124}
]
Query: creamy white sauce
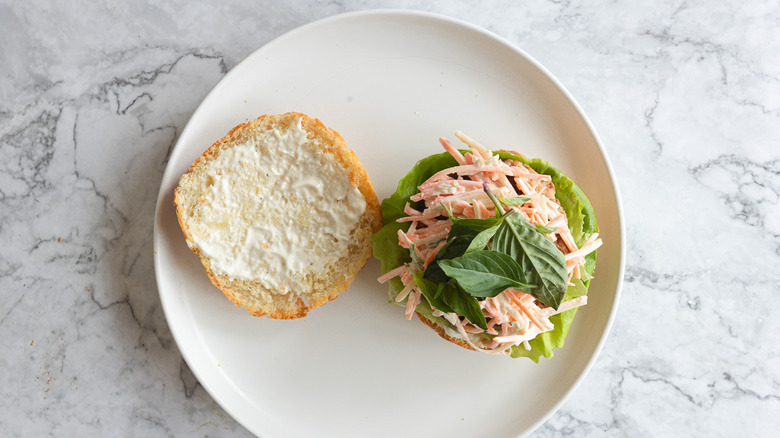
[{"x": 299, "y": 205}]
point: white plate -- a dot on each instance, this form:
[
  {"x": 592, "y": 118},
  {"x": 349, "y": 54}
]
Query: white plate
[{"x": 391, "y": 83}]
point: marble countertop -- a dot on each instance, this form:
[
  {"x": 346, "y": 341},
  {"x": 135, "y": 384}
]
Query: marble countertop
[{"x": 684, "y": 94}]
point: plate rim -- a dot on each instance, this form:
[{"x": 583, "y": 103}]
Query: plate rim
[{"x": 404, "y": 13}]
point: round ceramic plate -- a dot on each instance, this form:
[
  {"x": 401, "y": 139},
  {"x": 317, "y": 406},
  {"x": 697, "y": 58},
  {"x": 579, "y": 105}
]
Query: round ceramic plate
[{"x": 392, "y": 83}]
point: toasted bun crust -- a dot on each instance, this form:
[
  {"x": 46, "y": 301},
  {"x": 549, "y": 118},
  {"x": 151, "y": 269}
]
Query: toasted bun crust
[
  {"x": 440, "y": 331},
  {"x": 317, "y": 287}
]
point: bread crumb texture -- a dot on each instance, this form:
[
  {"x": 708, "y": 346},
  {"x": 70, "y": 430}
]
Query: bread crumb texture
[{"x": 280, "y": 213}]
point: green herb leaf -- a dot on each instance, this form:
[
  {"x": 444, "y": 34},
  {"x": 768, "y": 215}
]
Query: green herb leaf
[
  {"x": 448, "y": 298},
  {"x": 460, "y": 238},
  {"x": 485, "y": 273},
  {"x": 432, "y": 292},
  {"x": 520, "y": 200},
  {"x": 472, "y": 226},
  {"x": 545, "y": 230},
  {"x": 480, "y": 241},
  {"x": 539, "y": 259},
  {"x": 463, "y": 304},
  {"x": 499, "y": 208},
  {"x": 455, "y": 247}
]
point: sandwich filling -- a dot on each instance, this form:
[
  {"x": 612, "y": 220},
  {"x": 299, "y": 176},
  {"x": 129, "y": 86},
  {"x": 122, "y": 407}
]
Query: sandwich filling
[
  {"x": 275, "y": 206},
  {"x": 491, "y": 252}
]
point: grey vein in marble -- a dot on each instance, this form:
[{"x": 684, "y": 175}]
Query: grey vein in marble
[{"x": 686, "y": 98}]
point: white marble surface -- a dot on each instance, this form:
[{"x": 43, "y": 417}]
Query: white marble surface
[{"x": 686, "y": 98}]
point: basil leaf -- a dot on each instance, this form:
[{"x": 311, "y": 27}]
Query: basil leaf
[
  {"x": 539, "y": 259},
  {"x": 434, "y": 273},
  {"x": 453, "y": 248},
  {"x": 460, "y": 239},
  {"x": 545, "y": 230},
  {"x": 499, "y": 208},
  {"x": 472, "y": 226},
  {"x": 463, "y": 304},
  {"x": 485, "y": 273},
  {"x": 432, "y": 292},
  {"x": 520, "y": 200},
  {"x": 481, "y": 240},
  {"x": 449, "y": 299}
]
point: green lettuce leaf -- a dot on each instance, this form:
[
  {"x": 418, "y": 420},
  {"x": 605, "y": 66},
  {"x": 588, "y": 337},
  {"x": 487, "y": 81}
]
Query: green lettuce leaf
[
  {"x": 579, "y": 212},
  {"x": 393, "y": 207},
  {"x": 385, "y": 241}
]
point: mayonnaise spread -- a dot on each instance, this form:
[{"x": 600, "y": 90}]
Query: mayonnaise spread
[{"x": 275, "y": 206}]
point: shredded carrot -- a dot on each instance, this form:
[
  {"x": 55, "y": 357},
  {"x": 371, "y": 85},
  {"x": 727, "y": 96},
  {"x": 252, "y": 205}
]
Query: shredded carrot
[
  {"x": 392, "y": 274},
  {"x": 432, "y": 254},
  {"x": 524, "y": 310},
  {"x": 449, "y": 147},
  {"x": 513, "y": 317}
]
